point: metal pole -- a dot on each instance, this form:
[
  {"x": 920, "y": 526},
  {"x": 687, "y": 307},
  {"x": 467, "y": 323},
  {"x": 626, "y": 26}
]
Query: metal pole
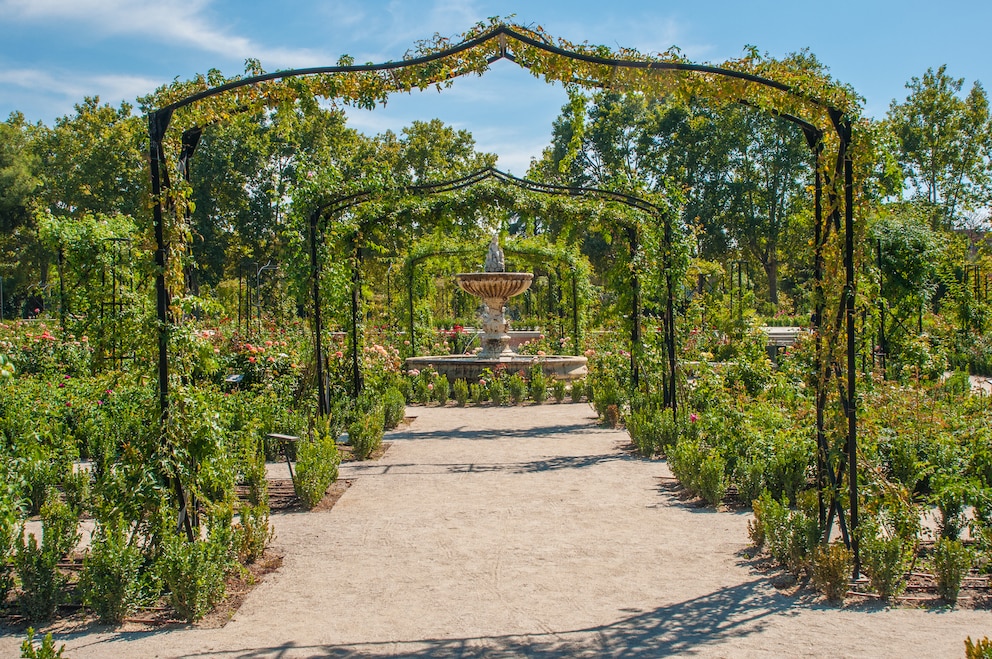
[
  {"x": 356, "y": 286},
  {"x": 323, "y": 404},
  {"x": 635, "y": 315},
  {"x": 575, "y": 310},
  {"x": 852, "y": 411},
  {"x": 258, "y": 290},
  {"x": 815, "y": 326},
  {"x": 158, "y": 122},
  {"x": 670, "y": 394},
  {"x": 413, "y": 334}
]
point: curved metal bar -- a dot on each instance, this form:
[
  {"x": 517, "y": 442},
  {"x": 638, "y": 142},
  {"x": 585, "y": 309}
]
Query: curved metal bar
[
  {"x": 344, "y": 202},
  {"x": 500, "y": 33}
]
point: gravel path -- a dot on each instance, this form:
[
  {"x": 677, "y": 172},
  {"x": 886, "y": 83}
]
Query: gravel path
[{"x": 525, "y": 531}]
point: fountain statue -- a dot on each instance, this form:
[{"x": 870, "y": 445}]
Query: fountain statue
[{"x": 495, "y": 286}]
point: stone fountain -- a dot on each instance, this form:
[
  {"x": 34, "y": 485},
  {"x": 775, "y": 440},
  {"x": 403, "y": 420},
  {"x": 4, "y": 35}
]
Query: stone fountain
[{"x": 495, "y": 286}]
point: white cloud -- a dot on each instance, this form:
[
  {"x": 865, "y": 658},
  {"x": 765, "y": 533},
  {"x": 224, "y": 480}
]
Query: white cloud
[
  {"x": 168, "y": 21},
  {"x": 73, "y": 87}
]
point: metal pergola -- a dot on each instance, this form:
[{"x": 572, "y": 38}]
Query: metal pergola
[{"x": 839, "y": 185}]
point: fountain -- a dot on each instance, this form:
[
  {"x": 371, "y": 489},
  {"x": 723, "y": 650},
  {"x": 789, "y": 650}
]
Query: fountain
[{"x": 495, "y": 286}]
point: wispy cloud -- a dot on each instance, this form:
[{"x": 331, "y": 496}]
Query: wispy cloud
[
  {"x": 73, "y": 88},
  {"x": 165, "y": 21}
]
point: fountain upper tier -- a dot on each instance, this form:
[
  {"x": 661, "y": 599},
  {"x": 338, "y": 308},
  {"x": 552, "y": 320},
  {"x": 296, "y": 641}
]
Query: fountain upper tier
[{"x": 495, "y": 286}]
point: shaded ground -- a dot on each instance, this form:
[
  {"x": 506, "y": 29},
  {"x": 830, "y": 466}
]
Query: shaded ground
[{"x": 543, "y": 538}]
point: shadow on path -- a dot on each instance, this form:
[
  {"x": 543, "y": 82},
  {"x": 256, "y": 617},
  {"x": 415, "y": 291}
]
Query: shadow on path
[
  {"x": 496, "y": 433},
  {"x": 677, "y": 629},
  {"x": 534, "y": 466}
]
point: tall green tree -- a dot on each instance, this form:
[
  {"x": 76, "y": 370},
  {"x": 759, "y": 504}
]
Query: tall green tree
[
  {"x": 743, "y": 173},
  {"x": 944, "y": 143},
  {"x": 431, "y": 151},
  {"x": 19, "y": 182},
  {"x": 94, "y": 162}
]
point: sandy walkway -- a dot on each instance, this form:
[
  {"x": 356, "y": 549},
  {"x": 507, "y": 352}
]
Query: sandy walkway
[{"x": 541, "y": 539}]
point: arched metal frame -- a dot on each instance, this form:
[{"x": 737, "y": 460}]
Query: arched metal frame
[
  {"x": 158, "y": 123},
  {"x": 345, "y": 202}
]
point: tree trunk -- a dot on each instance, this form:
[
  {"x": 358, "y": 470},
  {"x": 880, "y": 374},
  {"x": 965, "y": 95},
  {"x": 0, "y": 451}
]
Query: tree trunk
[{"x": 771, "y": 270}]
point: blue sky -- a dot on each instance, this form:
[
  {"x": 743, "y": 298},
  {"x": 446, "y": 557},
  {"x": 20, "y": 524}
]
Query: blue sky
[{"x": 55, "y": 52}]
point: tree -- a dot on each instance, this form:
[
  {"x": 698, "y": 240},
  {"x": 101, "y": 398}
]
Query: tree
[
  {"x": 743, "y": 172},
  {"x": 944, "y": 143},
  {"x": 771, "y": 164},
  {"x": 430, "y": 151},
  {"x": 18, "y": 172},
  {"x": 19, "y": 183},
  {"x": 94, "y": 162}
]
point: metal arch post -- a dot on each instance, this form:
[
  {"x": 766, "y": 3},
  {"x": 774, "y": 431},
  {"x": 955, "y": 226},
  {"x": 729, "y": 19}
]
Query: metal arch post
[
  {"x": 575, "y": 309},
  {"x": 635, "y": 312},
  {"x": 323, "y": 404},
  {"x": 815, "y": 325},
  {"x": 670, "y": 394},
  {"x": 158, "y": 123},
  {"x": 851, "y": 290},
  {"x": 413, "y": 325},
  {"x": 356, "y": 292}
]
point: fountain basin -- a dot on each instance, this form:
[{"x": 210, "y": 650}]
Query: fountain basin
[
  {"x": 494, "y": 287},
  {"x": 470, "y": 367}
]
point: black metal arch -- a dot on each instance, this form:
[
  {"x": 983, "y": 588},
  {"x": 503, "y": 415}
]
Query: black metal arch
[
  {"x": 841, "y": 123},
  {"x": 344, "y": 202}
]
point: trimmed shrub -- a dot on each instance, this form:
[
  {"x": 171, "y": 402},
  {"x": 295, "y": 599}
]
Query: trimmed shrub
[
  {"x": 791, "y": 535},
  {"x": 393, "y": 408},
  {"x": 317, "y": 463},
  {"x": 516, "y": 388},
  {"x": 713, "y": 478},
  {"x": 606, "y": 392},
  {"x": 193, "y": 573},
  {"x": 461, "y": 390},
  {"x": 558, "y": 390},
  {"x": 475, "y": 393},
  {"x": 756, "y": 526},
  {"x": 640, "y": 426},
  {"x": 109, "y": 581},
  {"x": 47, "y": 648},
  {"x": 685, "y": 461},
  {"x": 884, "y": 561},
  {"x": 254, "y": 532},
  {"x": 10, "y": 529},
  {"x": 497, "y": 392},
  {"x": 442, "y": 389},
  {"x": 42, "y": 583},
  {"x": 832, "y": 565},
  {"x": 538, "y": 385},
  {"x": 365, "y": 434},
  {"x": 576, "y": 390},
  {"x": 980, "y": 649},
  {"x": 951, "y": 562}
]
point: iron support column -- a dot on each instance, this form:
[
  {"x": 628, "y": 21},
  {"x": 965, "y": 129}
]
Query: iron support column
[
  {"x": 323, "y": 404},
  {"x": 851, "y": 291}
]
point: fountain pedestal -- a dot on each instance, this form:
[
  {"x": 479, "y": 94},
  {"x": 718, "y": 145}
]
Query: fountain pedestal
[{"x": 495, "y": 288}]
